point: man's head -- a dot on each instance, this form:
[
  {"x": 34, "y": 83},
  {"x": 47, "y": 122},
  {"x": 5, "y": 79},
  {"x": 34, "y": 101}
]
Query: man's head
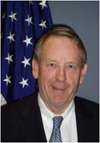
[{"x": 59, "y": 64}]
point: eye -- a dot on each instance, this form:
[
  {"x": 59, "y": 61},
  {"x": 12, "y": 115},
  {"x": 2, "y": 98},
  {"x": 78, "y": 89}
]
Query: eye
[
  {"x": 52, "y": 65},
  {"x": 71, "y": 66}
]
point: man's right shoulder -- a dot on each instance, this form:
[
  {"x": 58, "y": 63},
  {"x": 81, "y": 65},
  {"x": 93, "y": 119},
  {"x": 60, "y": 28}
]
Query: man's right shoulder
[{"x": 20, "y": 104}]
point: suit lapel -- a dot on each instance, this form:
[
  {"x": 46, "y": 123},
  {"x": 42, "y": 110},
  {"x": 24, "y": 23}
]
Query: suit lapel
[
  {"x": 35, "y": 131},
  {"x": 83, "y": 119}
]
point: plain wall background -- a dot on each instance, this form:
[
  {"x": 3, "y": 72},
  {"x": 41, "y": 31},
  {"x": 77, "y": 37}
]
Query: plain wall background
[{"x": 83, "y": 16}]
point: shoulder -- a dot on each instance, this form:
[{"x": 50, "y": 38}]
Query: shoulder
[
  {"x": 86, "y": 106},
  {"x": 18, "y": 119},
  {"x": 83, "y": 101},
  {"x": 22, "y": 104}
]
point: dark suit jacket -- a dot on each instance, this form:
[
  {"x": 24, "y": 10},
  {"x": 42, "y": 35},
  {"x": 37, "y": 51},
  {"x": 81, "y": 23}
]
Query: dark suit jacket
[{"x": 21, "y": 121}]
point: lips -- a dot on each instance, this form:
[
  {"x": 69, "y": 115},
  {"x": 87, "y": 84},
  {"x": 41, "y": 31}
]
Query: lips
[{"x": 59, "y": 88}]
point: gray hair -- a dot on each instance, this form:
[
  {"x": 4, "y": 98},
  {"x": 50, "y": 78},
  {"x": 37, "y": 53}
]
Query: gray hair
[{"x": 61, "y": 30}]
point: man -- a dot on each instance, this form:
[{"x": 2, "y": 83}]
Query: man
[{"x": 60, "y": 65}]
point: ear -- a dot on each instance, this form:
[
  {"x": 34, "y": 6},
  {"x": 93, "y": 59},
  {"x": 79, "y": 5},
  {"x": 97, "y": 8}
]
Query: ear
[
  {"x": 35, "y": 68},
  {"x": 83, "y": 73}
]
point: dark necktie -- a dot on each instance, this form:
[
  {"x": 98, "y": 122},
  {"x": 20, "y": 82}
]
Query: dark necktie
[{"x": 56, "y": 133}]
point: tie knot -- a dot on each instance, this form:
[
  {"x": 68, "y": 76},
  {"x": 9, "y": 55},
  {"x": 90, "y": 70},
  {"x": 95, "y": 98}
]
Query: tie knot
[{"x": 57, "y": 120}]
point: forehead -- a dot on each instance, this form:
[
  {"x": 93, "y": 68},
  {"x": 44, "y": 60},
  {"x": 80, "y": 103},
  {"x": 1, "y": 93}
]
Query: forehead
[{"x": 60, "y": 46}]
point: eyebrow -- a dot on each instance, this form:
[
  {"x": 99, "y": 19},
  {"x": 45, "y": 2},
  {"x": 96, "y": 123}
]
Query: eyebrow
[
  {"x": 68, "y": 62},
  {"x": 51, "y": 60}
]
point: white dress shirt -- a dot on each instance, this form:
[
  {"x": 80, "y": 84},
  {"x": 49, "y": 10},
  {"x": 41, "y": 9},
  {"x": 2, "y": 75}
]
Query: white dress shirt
[{"x": 68, "y": 126}]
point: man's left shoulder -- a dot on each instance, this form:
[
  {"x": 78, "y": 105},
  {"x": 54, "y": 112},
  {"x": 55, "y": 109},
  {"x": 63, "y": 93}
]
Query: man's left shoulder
[{"x": 87, "y": 106}]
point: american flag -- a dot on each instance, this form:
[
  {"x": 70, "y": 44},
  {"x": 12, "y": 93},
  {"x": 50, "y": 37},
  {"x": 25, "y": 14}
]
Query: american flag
[{"x": 23, "y": 22}]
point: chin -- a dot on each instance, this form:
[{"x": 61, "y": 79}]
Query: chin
[
  {"x": 62, "y": 101},
  {"x": 58, "y": 103}
]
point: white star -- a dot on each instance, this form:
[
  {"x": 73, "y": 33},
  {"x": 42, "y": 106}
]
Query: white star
[
  {"x": 28, "y": 40},
  {"x": 29, "y": 20},
  {"x": 26, "y": 61},
  {"x": 43, "y": 24},
  {"x": 9, "y": 58},
  {"x": 7, "y": 80},
  {"x": 12, "y": 16},
  {"x": 3, "y": 100},
  {"x": 43, "y": 3},
  {"x": 11, "y": 37},
  {"x": 24, "y": 82}
]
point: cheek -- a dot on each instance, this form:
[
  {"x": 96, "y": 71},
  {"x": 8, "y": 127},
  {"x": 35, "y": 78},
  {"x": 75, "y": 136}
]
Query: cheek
[
  {"x": 46, "y": 76},
  {"x": 73, "y": 78}
]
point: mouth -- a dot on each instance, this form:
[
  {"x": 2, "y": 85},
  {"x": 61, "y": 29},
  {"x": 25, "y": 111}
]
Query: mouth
[{"x": 58, "y": 89}]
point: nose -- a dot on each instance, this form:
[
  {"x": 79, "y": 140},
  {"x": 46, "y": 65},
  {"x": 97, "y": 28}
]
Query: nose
[{"x": 61, "y": 75}]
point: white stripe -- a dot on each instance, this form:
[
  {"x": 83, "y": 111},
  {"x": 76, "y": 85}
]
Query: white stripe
[{"x": 3, "y": 101}]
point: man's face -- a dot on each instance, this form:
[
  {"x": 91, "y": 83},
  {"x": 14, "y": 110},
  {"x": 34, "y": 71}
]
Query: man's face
[{"x": 59, "y": 72}]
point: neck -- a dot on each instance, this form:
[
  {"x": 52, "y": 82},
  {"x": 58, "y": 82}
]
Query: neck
[{"x": 59, "y": 109}]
